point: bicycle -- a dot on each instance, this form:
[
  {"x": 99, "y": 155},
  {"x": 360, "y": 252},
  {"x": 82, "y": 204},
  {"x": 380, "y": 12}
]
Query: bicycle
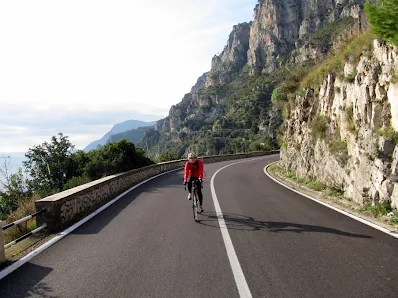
[{"x": 195, "y": 198}]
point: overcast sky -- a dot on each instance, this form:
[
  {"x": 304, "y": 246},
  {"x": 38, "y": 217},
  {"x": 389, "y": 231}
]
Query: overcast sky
[{"x": 79, "y": 67}]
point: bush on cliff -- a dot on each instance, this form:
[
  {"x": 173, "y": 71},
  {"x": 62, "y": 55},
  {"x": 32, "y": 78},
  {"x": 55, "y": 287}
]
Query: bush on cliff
[{"x": 383, "y": 18}]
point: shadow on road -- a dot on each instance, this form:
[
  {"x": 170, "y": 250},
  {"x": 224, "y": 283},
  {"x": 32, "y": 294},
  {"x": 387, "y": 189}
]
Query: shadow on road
[
  {"x": 97, "y": 223},
  {"x": 26, "y": 282},
  {"x": 247, "y": 223}
]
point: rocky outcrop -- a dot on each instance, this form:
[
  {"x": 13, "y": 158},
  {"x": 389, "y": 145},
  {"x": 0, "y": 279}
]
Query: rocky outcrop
[
  {"x": 186, "y": 108},
  {"x": 232, "y": 58},
  {"x": 284, "y": 28},
  {"x": 343, "y": 133}
]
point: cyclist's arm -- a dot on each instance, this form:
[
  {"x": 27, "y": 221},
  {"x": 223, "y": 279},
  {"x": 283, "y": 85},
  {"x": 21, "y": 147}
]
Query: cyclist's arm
[
  {"x": 186, "y": 172},
  {"x": 201, "y": 167}
]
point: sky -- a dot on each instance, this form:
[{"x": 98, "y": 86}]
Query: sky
[{"x": 79, "y": 67}]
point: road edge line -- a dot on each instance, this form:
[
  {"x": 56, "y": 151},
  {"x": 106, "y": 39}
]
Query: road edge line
[
  {"x": 14, "y": 266},
  {"x": 364, "y": 221}
]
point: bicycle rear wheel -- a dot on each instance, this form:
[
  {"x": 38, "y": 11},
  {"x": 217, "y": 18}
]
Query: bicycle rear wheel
[{"x": 195, "y": 207}]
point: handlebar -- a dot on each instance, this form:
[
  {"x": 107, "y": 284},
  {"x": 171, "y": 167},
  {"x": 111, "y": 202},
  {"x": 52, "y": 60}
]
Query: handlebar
[{"x": 193, "y": 181}]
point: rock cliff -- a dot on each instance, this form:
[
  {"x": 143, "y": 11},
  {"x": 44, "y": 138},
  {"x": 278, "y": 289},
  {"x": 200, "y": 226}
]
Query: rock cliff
[
  {"x": 299, "y": 30},
  {"x": 235, "y": 95},
  {"x": 344, "y": 132}
]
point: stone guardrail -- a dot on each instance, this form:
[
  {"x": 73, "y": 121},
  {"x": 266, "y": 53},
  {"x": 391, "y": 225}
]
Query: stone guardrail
[{"x": 67, "y": 207}]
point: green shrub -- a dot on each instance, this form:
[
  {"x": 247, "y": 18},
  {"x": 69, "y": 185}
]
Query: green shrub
[
  {"x": 383, "y": 17},
  {"x": 394, "y": 218},
  {"x": 319, "y": 127},
  {"x": 76, "y": 181},
  {"x": 279, "y": 95},
  {"x": 378, "y": 210}
]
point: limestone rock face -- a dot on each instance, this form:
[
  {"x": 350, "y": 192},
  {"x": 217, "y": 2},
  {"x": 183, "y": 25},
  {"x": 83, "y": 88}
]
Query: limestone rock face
[
  {"x": 357, "y": 154},
  {"x": 281, "y": 26},
  {"x": 232, "y": 58}
]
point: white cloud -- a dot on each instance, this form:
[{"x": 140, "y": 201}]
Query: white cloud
[{"x": 60, "y": 60}]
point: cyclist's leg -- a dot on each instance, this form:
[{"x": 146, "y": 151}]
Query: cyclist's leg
[
  {"x": 189, "y": 182},
  {"x": 189, "y": 186},
  {"x": 200, "y": 195}
]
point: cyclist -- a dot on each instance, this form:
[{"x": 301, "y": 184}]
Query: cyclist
[{"x": 194, "y": 171}]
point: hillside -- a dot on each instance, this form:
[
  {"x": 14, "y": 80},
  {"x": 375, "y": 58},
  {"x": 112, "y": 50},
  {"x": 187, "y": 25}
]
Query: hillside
[
  {"x": 117, "y": 128},
  {"x": 229, "y": 109},
  {"x": 132, "y": 135}
]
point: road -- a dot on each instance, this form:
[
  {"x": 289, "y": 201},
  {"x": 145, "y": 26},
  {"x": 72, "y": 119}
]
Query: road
[{"x": 147, "y": 245}]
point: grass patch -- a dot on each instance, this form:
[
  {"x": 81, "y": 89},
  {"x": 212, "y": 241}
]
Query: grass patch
[
  {"x": 25, "y": 208},
  {"x": 394, "y": 76},
  {"x": 313, "y": 184},
  {"x": 325, "y": 35},
  {"x": 377, "y": 210},
  {"x": 349, "y": 117},
  {"x": 316, "y": 185},
  {"x": 339, "y": 149},
  {"x": 394, "y": 218},
  {"x": 350, "y": 78},
  {"x": 375, "y": 153},
  {"x": 334, "y": 63},
  {"x": 390, "y": 134},
  {"x": 334, "y": 192},
  {"x": 319, "y": 126},
  {"x": 337, "y": 193}
]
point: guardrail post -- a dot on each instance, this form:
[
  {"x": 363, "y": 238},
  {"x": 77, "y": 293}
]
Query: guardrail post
[{"x": 2, "y": 251}]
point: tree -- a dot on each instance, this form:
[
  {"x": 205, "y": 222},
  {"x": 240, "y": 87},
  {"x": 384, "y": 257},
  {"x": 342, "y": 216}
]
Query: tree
[
  {"x": 15, "y": 190},
  {"x": 169, "y": 156},
  {"x": 50, "y": 164},
  {"x": 5, "y": 171},
  {"x": 254, "y": 127},
  {"x": 18, "y": 186},
  {"x": 383, "y": 18},
  {"x": 114, "y": 158},
  {"x": 239, "y": 144}
]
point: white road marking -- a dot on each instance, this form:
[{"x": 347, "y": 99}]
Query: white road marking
[
  {"x": 61, "y": 235},
  {"x": 364, "y": 221},
  {"x": 239, "y": 277}
]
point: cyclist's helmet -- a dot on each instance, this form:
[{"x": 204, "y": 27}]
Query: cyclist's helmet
[{"x": 192, "y": 155}]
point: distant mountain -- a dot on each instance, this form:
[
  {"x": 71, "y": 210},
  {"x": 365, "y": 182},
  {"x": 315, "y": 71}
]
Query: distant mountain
[
  {"x": 116, "y": 129},
  {"x": 133, "y": 135}
]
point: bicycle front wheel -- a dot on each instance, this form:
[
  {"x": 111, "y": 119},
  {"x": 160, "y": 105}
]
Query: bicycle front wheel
[{"x": 195, "y": 208}]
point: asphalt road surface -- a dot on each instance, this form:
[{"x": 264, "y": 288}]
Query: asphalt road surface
[{"x": 147, "y": 245}]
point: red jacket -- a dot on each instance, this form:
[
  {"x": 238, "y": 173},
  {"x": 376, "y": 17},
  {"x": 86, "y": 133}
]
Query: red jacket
[{"x": 195, "y": 170}]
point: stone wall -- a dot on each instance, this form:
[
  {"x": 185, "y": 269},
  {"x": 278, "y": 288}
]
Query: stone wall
[{"x": 67, "y": 207}]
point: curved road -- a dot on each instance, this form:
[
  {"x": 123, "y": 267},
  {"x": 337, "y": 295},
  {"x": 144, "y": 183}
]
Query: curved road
[{"x": 147, "y": 245}]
